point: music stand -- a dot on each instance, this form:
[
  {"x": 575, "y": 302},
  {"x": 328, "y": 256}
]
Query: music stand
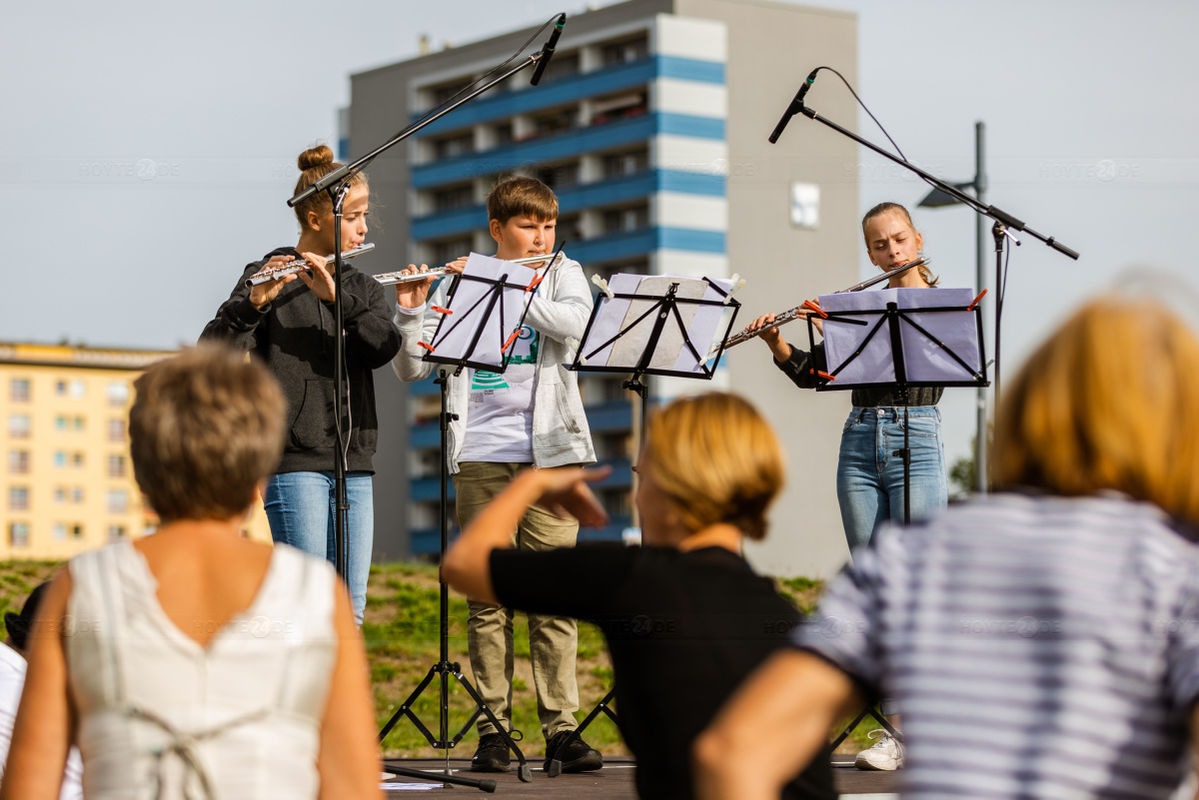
[
  {"x": 486, "y": 307},
  {"x": 903, "y": 338},
  {"x": 648, "y": 325}
]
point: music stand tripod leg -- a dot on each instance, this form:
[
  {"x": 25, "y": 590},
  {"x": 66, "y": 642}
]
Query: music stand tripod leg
[{"x": 554, "y": 768}]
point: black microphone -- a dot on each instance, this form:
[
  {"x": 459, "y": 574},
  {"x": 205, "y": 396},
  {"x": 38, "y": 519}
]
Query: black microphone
[
  {"x": 547, "y": 52},
  {"x": 795, "y": 106}
]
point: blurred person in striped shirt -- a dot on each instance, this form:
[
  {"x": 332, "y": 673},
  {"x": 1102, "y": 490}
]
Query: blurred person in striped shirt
[{"x": 1041, "y": 641}]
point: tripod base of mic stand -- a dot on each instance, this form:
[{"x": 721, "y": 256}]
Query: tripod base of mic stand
[
  {"x": 445, "y": 669},
  {"x": 482, "y": 784}
]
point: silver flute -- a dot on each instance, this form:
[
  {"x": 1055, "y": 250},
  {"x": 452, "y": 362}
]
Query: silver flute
[
  {"x": 298, "y": 264},
  {"x": 390, "y": 278},
  {"x": 804, "y": 310}
]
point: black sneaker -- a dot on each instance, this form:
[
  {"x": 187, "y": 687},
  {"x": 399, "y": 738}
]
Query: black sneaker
[
  {"x": 491, "y": 754},
  {"x": 575, "y": 754}
]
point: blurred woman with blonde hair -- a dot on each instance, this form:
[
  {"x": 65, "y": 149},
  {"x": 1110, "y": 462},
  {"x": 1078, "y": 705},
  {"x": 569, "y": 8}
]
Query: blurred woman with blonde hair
[
  {"x": 685, "y": 618},
  {"x": 1040, "y": 640}
]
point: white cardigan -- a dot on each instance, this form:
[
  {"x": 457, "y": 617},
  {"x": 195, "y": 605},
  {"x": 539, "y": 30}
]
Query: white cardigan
[{"x": 560, "y": 432}]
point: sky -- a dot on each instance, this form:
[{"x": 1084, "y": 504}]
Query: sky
[{"x": 148, "y": 147}]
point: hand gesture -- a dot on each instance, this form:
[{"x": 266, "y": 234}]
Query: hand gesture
[
  {"x": 564, "y": 492},
  {"x": 318, "y": 278},
  {"x": 263, "y": 293}
]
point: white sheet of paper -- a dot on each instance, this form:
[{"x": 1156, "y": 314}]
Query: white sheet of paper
[
  {"x": 925, "y": 361},
  {"x": 453, "y": 337},
  {"x": 704, "y": 324}
]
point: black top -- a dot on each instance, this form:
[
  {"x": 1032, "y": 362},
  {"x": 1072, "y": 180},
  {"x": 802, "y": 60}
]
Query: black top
[
  {"x": 683, "y": 630},
  {"x": 801, "y": 369},
  {"x": 294, "y": 336}
]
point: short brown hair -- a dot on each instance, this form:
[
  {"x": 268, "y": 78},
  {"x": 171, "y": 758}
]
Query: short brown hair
[
  {"x": 521, "y": 196},
  {"x": 1108, "y": 402},
  {"x": 205, "y": 427},
  {"x": 315, "y": 163},
  {"x": 882, "y": 208},
  {"x": 717, "y": 460}
]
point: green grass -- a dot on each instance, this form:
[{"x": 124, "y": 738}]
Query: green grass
[{"x": 403, "y": 642}]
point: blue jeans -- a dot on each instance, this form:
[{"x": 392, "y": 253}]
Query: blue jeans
[
  {"x": 870, "y": 474},
  {"x": 300, "y": 509}
]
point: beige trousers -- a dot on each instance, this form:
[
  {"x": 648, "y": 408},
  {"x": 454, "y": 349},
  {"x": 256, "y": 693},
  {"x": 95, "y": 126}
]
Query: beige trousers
[{"x": 553, "y": 641}]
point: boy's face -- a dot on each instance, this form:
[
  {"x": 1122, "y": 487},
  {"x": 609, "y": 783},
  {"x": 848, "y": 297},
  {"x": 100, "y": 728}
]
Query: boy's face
[{"x": 523, "y": 236}]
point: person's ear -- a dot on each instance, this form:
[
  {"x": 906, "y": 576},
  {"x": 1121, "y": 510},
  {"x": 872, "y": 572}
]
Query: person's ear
[
  {"x": 314, "y": 220},
  {"x": 496, "y": 230}
]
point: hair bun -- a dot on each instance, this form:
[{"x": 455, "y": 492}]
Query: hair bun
[{"x": 315, "y": 157}]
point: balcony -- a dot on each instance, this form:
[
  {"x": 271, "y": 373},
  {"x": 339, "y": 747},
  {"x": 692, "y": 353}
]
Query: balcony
[
  {"x": 569, "y": 89},
  {"x": 561, "y": 146}
]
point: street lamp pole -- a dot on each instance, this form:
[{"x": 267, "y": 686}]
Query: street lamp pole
[{"x": 980, "y": 277}]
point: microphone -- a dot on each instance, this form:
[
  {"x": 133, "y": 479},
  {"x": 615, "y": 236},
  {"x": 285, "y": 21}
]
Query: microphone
[
  {"x": 547, "y": 52},
  {"x": 795, "y": 106}
]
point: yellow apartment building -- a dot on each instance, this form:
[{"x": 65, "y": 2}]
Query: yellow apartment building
[{"x": 67, "y": 483}]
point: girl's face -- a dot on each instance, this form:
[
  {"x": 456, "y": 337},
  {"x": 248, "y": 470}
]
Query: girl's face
[
  {"x": 891, "y": 241},
  {"x": 353, "y": 220}
]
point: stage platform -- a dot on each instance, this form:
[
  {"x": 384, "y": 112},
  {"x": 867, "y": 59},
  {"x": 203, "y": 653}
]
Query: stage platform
[{"x": 613, "y": 782}]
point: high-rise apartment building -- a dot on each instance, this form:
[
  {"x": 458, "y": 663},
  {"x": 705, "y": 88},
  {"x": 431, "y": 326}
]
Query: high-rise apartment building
[
  {"x": 68, "y": 480},
  {"x": 650, "y": 124}
]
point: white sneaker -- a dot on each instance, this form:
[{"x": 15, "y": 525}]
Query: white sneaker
[{"x": 884, "y": 754}]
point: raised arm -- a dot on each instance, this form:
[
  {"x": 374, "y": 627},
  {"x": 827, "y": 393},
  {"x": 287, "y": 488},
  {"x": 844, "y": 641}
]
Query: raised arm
[
  {"x": 45, "y": 724},
  {"x": 467, "y": 563},
  {"x": 771, "y": 727}
]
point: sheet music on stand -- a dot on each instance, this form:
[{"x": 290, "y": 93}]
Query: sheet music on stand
[
  {"x": 486, "y": 309},
  {"x": 646, "y": 326},
  {"x": 939, "y": 338}
]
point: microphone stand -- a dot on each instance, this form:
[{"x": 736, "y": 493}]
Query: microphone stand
[
  {"x": 1005, "y": 223},
  {"x": 337, "y": 184}
]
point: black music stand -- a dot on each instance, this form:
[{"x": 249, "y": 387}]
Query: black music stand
[
  {"x": 901, "y": 338},
  {"x": 485, "y": 311},
  {"x": 641, "y": 328}
]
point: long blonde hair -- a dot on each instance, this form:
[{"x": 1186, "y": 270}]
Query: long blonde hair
[
  {"x": 1109, "y": 401},
  {"x": 717, "y": 460}
]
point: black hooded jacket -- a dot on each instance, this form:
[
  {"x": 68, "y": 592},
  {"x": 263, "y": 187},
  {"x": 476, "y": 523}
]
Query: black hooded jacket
[{"x": 294, "y": 337}]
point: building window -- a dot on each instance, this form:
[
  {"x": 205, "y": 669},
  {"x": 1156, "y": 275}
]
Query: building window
[
  {"x": 619, "y": 106},
  {"x": 18, "y": 534},
  {"x": 453, "y": 146},
  {"x": 453, "y": 197},
  {"x": 448, "y": 250},
  {"x": 60, "y": 495},
  {"x": 117, "y": 392},
  {"x": 558, "y": 176},
  {"x": 59, "y": 531},
  {"x": 116, "y": 532},
  {"x": 116, "y": 466},
  {"x": 19, "y": 390},
  {"x": 625, "y": 51},
  {"x": 616, "y": 220},
  {"x": 77, "y": 531},
  {"x": 77, "y": 460},
  {"x": 18, "y": 462},
  {"x": 631, "y": 162},
  {"x": 60, "y": 459},
  {"x": 501, "y": 133},
  {"x": 74, "y": 388},
  {"x": 18, "y": 498},
  {"x": 118, "y": 501},
  {"x": 19, "y": 426},
  {"x": 561, "y": 66},
  {"x": 77, "y": 495},
  {"x": 116, "y": 430},
  {"x": 557, "y": 121}
]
